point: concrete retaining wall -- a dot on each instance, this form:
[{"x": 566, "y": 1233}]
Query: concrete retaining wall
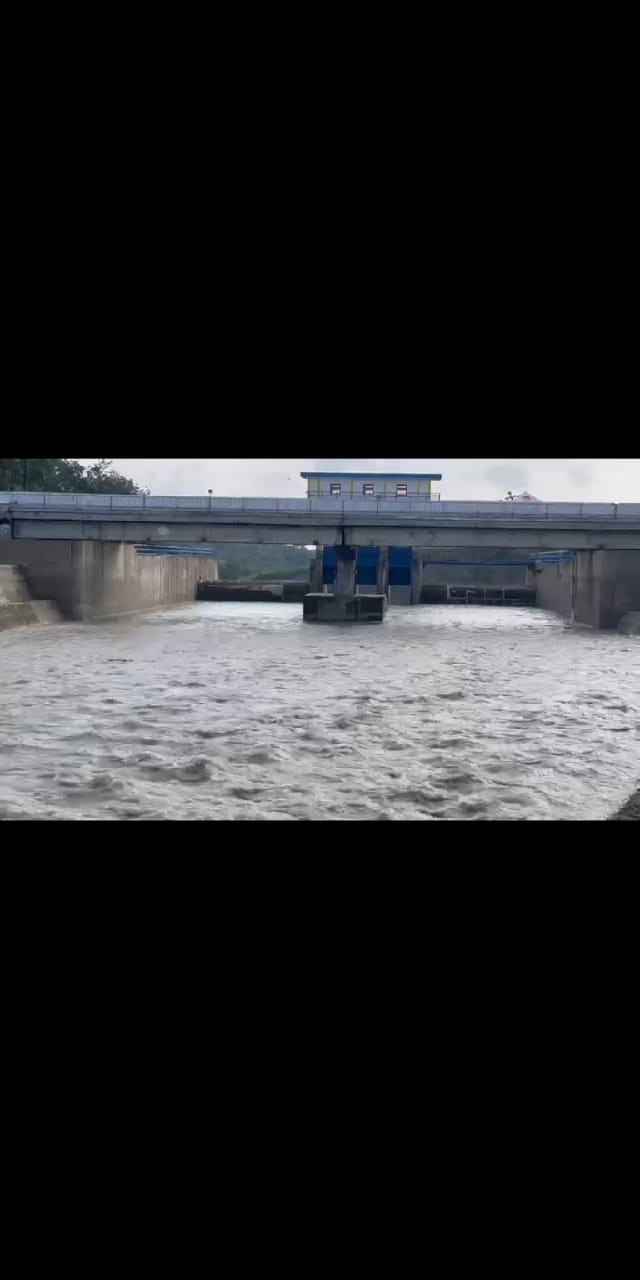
[
  {"x": 48, "y": 568},
  {"x": 597, "y": 588},
  {"x": 17, "y": 608},
  {"x": 91, "y": 580},
  {"x": 554, "y": 585},
  {"x": 113, "y": 579},
  {"x": 619, "y": 577}
]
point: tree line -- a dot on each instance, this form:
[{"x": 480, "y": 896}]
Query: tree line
[
  {"x": 63, "y": 475},
  {"x": 257, "y": 563}
]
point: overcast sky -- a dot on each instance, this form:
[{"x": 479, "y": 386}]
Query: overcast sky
[{"x": 549, "y": 479}]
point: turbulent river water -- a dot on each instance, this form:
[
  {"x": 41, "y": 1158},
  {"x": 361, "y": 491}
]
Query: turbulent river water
[{"x": 242, "y": 711}]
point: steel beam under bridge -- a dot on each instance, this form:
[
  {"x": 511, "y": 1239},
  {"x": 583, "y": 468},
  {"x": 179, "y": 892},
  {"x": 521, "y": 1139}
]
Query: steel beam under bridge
[{"x": 451, "y": 533}]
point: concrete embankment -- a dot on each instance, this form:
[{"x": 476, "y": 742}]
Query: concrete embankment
[
  {"x": 93, "y": 580},
  {"x": 17, "y": 607}
]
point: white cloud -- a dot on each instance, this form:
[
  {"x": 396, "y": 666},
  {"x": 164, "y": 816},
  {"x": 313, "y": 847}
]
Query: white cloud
[{"x": 551, "y": 479}]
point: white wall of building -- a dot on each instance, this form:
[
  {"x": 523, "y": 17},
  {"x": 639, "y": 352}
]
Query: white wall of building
[{"x": 367, "y": 487}]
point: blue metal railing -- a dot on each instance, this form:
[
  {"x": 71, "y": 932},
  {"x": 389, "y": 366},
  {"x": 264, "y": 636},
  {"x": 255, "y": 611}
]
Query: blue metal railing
[{"x": 158, "y": 550}]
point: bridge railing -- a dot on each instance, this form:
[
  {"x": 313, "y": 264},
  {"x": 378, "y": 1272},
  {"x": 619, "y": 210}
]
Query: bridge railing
[{"x": 326, "y": 506}]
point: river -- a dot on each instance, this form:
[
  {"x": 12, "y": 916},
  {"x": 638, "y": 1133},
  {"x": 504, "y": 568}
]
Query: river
[{"x": 219, "y": 710}]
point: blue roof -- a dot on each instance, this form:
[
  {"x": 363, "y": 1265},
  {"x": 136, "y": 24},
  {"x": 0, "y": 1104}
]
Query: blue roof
[{"x": 368, "y": 475}]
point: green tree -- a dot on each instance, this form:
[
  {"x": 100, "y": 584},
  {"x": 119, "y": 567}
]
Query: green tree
[
  {"x": 239, "y": 562},
  {"x": 63, "y": 475},
  {"x": 21, "y": 473},
  {"x": 99, "y": 479},
  {"x": 68, "y": 477}
]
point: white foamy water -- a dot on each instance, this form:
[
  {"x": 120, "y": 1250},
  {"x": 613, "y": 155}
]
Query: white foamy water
[{"x": 242, "y": 711}]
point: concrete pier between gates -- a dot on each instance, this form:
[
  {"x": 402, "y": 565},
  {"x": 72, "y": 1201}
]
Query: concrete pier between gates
[
  {"x": 317, "y": 571},
  {"x": 416, "y": 576},
  {"x": 347, "y": 558},
  {"x": 382, "y": 573},
  {"x": 344, "y": 604}
]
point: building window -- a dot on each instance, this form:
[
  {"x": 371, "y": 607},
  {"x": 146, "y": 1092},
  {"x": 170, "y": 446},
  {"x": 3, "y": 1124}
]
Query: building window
[
  {"x": 401, "y": 491},
  {"x": 367, "y": 490},
  {"x": 335, "y": 490}
]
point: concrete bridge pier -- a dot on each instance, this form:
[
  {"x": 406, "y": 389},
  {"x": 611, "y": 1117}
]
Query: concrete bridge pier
[
  {"x": 317, "y": 578},
  {"x": 347, "y": 558},
  {"x": 382, "y": 573},
  {"x": 344, "y": 604}
]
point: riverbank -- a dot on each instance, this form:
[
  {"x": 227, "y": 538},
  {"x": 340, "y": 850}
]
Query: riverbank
[{"x": 629, "y": 811}]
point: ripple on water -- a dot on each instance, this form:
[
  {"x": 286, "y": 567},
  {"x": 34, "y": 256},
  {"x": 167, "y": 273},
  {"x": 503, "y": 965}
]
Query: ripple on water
[{"x": 241, "y": 711}]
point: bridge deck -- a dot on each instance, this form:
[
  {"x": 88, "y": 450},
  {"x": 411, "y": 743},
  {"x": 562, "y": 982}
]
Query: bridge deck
[{"x": 135, "y": 506}]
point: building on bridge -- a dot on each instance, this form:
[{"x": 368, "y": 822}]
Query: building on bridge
[{"x": 371, "y": 484}]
